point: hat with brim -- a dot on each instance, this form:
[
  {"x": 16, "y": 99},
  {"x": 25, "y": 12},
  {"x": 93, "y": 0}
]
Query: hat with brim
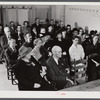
[{"x": 23, "y": 51}]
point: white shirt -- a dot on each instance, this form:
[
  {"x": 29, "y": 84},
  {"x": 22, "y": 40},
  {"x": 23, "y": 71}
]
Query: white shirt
[
  {"x": 76, "y": 53},
  {"x": 56, "y": 60}
]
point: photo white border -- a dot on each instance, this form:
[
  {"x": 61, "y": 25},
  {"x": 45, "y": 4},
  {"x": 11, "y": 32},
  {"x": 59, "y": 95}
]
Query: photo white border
[{"x": 49, "y": 94}]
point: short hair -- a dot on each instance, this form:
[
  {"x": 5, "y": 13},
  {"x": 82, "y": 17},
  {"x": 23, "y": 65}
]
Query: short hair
[
  {"x": 11, "y": 22},
  {"x": 27, "y": 33},
  {"x": 36, "y": 19},
  {"x": 25, "y": 22},
  {"x": 68, "y": 25},
  {"x": 55, "y": 48},
  {"x": 36, "y": 41},
  {"x": 95, "y": 35},
  {"x": 18, "y": 25},
  {"x": 75, "y": 29},
  {"x": 12, "y": 39},
  {"x": 74, "y": 37},
  {"x": 51, "y": 20}
]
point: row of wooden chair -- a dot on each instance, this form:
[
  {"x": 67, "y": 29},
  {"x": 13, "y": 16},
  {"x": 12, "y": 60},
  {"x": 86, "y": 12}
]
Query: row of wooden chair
[
  {"x": 79, "y": 69},
  {"x": 10, "y": 73}
]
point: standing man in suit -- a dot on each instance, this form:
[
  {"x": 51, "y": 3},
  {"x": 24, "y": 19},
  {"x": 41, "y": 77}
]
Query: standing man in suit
[
  {"x": 37, "y": 27},
  {"x": 58, "y": 70}
]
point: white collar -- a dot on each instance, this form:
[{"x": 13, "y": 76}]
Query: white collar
[{"x": 55, "y": 59}]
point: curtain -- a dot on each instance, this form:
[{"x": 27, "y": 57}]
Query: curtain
[
  {"x": 31, "y": 15},
  {"x": 22, "y": 15},
  {"x": 12, "y": 15}
]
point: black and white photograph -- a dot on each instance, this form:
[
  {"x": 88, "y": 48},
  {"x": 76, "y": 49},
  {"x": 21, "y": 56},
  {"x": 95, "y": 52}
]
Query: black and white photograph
[{"x": 50, "y": 47}]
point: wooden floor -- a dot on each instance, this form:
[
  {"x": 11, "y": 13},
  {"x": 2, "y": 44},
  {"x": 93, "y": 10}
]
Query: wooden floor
[{"x": 6, "y": 85}]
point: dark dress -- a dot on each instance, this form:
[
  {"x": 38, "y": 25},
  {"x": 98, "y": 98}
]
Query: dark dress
[
  {"x": 38, "y": 27},
  {"x": 93, "y": 53},
  {"x": 27, "y": 75}
]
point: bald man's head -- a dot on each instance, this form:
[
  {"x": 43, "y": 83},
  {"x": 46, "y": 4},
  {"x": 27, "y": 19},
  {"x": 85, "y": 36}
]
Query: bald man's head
[{"x": 57, "y": 51}]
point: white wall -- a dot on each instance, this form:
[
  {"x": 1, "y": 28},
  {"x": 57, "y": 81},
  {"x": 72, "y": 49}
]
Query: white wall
[{"x": 84, "y": 15}]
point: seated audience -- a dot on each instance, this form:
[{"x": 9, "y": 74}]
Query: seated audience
[
  {"x": 12, "y": 28},
  {"x": 26, "y": 28},
  {"x": 75, "y": 32},
  {"x": 60, "y": 41},
  {"x": 19, "y": 36},
  {"x": 57, "y": 70},
  {"x": 11, "y": 53},
  {"x": 42, "y": 32},
  {"x": 28, "y": 40},
  {"x": 76, "y": 51},
  {"x": 37, "y": 26},
  {"x": 28, "y": 74}
]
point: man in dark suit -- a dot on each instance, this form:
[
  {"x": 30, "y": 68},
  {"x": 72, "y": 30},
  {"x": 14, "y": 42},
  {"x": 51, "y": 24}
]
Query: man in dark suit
[
  {"x": 37, "y": 26},
  {"x": 11, "y": 53},
  {"x": 58, "y": 70}
]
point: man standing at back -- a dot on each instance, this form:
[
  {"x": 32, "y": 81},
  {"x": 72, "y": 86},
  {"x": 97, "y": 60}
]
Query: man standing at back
[{"x": 58, "y": 70}]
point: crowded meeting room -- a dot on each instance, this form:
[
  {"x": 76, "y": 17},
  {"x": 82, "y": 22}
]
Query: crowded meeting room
[{"x": 49, "y": 47}]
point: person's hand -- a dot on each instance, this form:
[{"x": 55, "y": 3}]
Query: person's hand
[
  {"x": 37, "y": 85},
  {"x": 43, "y": 72},
  {"x": 44, "y": 68}
]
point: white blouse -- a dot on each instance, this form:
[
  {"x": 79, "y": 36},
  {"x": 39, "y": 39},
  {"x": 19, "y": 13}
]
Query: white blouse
[{"x": 76, "y": 53}]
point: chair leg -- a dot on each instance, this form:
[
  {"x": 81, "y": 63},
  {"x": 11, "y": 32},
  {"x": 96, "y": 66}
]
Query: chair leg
[
  {"x": 8, "y": 74},
  {"x": 13, "y": 79}
]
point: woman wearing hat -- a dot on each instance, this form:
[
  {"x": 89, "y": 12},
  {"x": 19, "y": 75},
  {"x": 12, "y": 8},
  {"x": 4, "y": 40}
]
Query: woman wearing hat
[{"x": 28, "y": 73}]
